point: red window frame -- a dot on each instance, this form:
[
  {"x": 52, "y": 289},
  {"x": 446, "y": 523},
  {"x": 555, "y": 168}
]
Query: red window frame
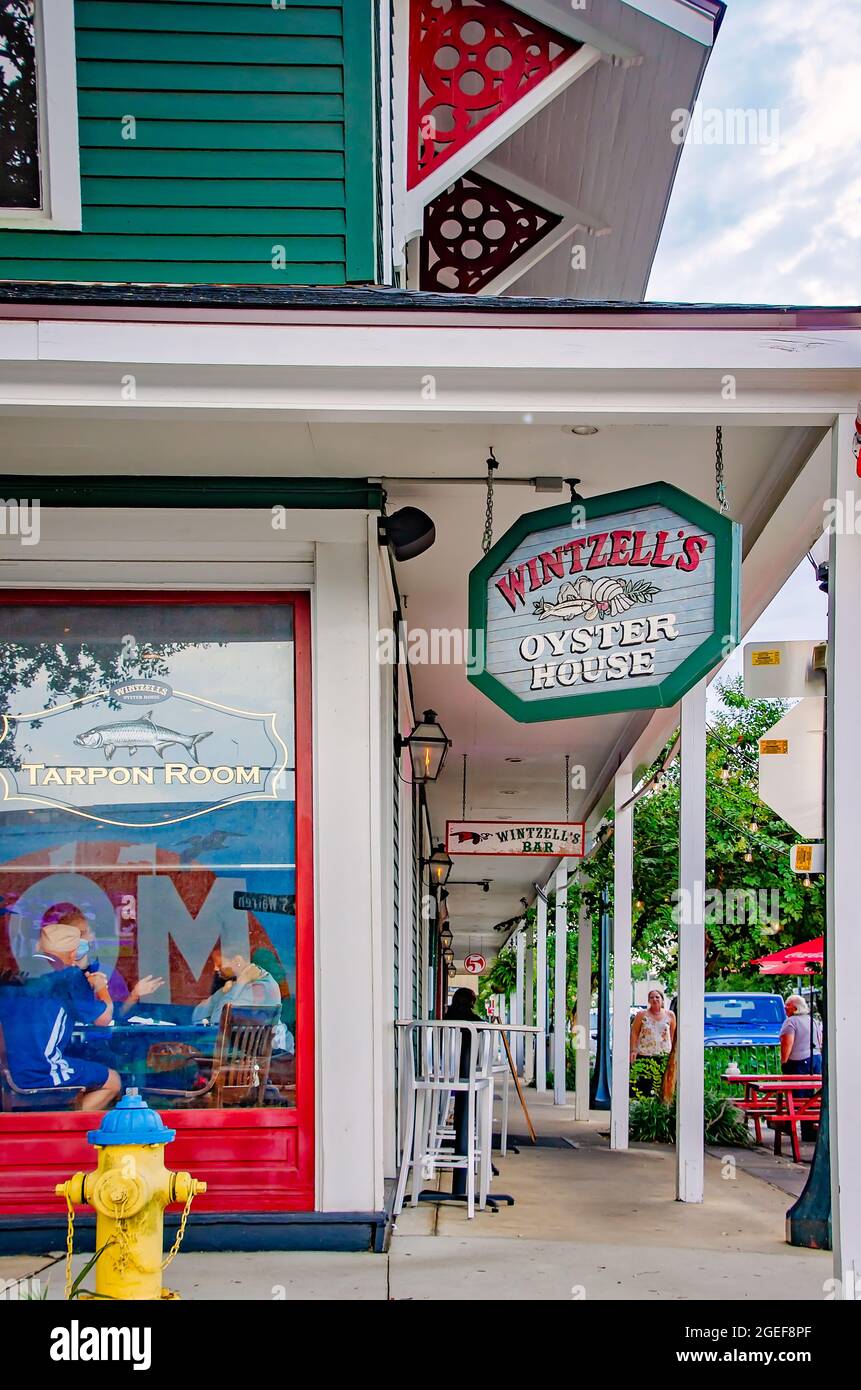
[{"x": 252, "y": 1160}]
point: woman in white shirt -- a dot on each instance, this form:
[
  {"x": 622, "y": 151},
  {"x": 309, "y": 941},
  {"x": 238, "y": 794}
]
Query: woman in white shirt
[{"x": 652, "y": 1032}]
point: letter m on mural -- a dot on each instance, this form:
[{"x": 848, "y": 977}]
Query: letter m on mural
[{"x": 619, "y": 602}]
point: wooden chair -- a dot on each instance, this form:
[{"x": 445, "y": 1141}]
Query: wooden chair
[
  {"x": 238, "y": 1070},
  {"x": 13, "y": 1097}
]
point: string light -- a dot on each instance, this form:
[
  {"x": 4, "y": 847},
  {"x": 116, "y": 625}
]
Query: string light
[{"x": 748, "y": 857}]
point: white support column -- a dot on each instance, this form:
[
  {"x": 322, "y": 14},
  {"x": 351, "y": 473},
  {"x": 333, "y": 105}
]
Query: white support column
[
  {"x": 541, "y": 994},
  {"x": 560, "y": 985},
  {"x": 519, "y": 997},
  {"x": 584, "y": 1005},
  {"x": 843, "y": 830},
  {"x": 623, "y": 887},
  {"x": 529, "y": 1013},
  {"x": 691, "y": 911}
]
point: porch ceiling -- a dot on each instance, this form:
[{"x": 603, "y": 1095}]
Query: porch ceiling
[
  {"x": 514, "y": 770},
  {"x": 518, "y": 770}
]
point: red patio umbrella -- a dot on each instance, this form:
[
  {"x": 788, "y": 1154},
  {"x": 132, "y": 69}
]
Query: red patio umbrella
[{"x": 806, "y": 959}]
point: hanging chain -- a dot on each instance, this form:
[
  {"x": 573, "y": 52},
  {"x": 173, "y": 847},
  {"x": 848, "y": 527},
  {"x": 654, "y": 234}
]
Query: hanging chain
[
  {"x": 463, "y": 808},
  {"x": 567, "y": 785},
  {"x": 70, "y": 1237},
  {"x": 720, "y": 488},
  {"x": 487, "y": 538},
  {"x": 181, "y": 1232}
]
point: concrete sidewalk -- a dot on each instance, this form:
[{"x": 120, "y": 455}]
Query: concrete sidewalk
[{"x": 587, "y": 1224}]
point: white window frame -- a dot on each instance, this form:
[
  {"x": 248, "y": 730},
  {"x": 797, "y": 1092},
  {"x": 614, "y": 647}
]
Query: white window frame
[{"x": 59, "y": 159}]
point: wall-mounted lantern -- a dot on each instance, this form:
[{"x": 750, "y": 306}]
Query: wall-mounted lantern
[
  {"x": 428, "y": 747},
  {"x": 439, "y": 865}
]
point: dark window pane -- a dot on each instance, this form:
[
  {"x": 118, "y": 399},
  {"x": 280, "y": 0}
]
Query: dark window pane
[{"x": 19, "y": 142}]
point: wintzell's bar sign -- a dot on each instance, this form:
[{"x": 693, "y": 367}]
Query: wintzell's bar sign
[
  {"x": 553, "y": 838},
  {"x": 625, "y": 610}
]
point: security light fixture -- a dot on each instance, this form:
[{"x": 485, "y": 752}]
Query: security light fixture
[
  {"x": 428, "y": 747},
  {"x": 409, "y": 532}
]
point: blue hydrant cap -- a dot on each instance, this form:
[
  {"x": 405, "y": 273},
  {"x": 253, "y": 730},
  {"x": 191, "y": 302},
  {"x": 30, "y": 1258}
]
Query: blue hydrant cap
[{"x": 131, "y": 1122}]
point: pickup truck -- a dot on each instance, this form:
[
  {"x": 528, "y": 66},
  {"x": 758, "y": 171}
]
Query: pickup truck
[{"x": 743, "y": 1020}]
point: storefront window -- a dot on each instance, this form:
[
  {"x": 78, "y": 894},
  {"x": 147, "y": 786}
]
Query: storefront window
[
  {"x": 19, "y": 143},
  {"x": 147, "y": 854}
]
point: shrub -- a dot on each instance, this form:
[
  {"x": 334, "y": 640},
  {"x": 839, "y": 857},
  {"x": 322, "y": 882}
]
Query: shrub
[{"x": 654, "y": 1122}]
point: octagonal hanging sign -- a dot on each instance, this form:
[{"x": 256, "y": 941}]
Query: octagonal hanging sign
[{"x": 606, "y": 604}]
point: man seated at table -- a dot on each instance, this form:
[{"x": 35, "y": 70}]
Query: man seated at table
[
  {"x": 238, "y": 982},
  {"x": 87, "y": 960},
  {"x": 38, "y": 1015}
]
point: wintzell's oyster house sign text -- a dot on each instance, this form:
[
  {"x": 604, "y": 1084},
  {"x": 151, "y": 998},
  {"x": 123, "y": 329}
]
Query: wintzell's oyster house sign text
[{"x": 625, "y": 611}]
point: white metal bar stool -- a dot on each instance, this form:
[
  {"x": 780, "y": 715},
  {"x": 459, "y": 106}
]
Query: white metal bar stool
[{"x": 436, "y": 1069}]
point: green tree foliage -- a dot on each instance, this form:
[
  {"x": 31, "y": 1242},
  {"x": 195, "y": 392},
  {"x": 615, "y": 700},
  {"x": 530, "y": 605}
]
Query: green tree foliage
[
  {"x": 19, "y": 145},
  {"x": 756, "y": 904}
]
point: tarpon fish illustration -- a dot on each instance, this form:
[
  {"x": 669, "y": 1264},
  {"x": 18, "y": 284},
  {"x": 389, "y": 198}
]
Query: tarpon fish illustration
[
  {"x": 139, "y": 733},
  {"x": 597, "y": 598}
]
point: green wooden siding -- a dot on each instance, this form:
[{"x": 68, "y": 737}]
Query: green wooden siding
[{"x": 254, "y": 131}]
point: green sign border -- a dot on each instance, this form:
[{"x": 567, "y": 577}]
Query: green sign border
[{"x": 727, "y": 606}]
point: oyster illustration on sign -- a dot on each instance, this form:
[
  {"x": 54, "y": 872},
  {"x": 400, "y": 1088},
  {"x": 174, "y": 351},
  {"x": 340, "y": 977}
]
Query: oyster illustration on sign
[
  {"x": 597, "y": 598},
  {"x": 139, "y": 733}
]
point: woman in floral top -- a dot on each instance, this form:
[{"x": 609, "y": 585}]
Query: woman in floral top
[{"x": 652, "y": 1033}]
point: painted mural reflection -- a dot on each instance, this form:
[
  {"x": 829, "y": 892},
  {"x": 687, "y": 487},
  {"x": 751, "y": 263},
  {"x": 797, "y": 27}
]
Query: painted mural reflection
[{"x": 147, "y": 855}]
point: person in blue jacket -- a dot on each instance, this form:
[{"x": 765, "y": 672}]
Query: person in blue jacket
[{"x": 38, "y": 1014}]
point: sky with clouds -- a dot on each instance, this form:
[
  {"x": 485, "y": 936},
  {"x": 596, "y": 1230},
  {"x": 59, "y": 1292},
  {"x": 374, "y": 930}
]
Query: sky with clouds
[{"x": 778, "y": 222}]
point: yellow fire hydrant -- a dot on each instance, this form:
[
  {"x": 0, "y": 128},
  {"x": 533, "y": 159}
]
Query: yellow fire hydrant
[{"x": 129, "y": 1190}]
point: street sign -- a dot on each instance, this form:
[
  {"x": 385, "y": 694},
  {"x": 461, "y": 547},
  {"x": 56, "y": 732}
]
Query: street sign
[
  {"x": 783, "y": 670},
  {"x": 606, "y": 604},
  {"x": 554, "y": 838},
  {"x": 791, "y": 767},
  {"x": 475, "y": 965},
  {"x": 807, "y": 859}
]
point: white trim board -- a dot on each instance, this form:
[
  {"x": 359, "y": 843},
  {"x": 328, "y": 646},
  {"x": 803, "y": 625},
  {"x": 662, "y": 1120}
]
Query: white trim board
[{"x": 685, "y": 17}]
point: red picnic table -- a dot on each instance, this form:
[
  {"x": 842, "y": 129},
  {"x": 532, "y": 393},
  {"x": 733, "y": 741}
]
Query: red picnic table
[{"x": 776, "y": 1099}]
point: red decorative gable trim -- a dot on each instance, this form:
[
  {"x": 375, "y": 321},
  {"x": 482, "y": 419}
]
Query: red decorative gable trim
[
  {"x": 469, "y": 62},
  {"x": 475, "y": 230}
]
